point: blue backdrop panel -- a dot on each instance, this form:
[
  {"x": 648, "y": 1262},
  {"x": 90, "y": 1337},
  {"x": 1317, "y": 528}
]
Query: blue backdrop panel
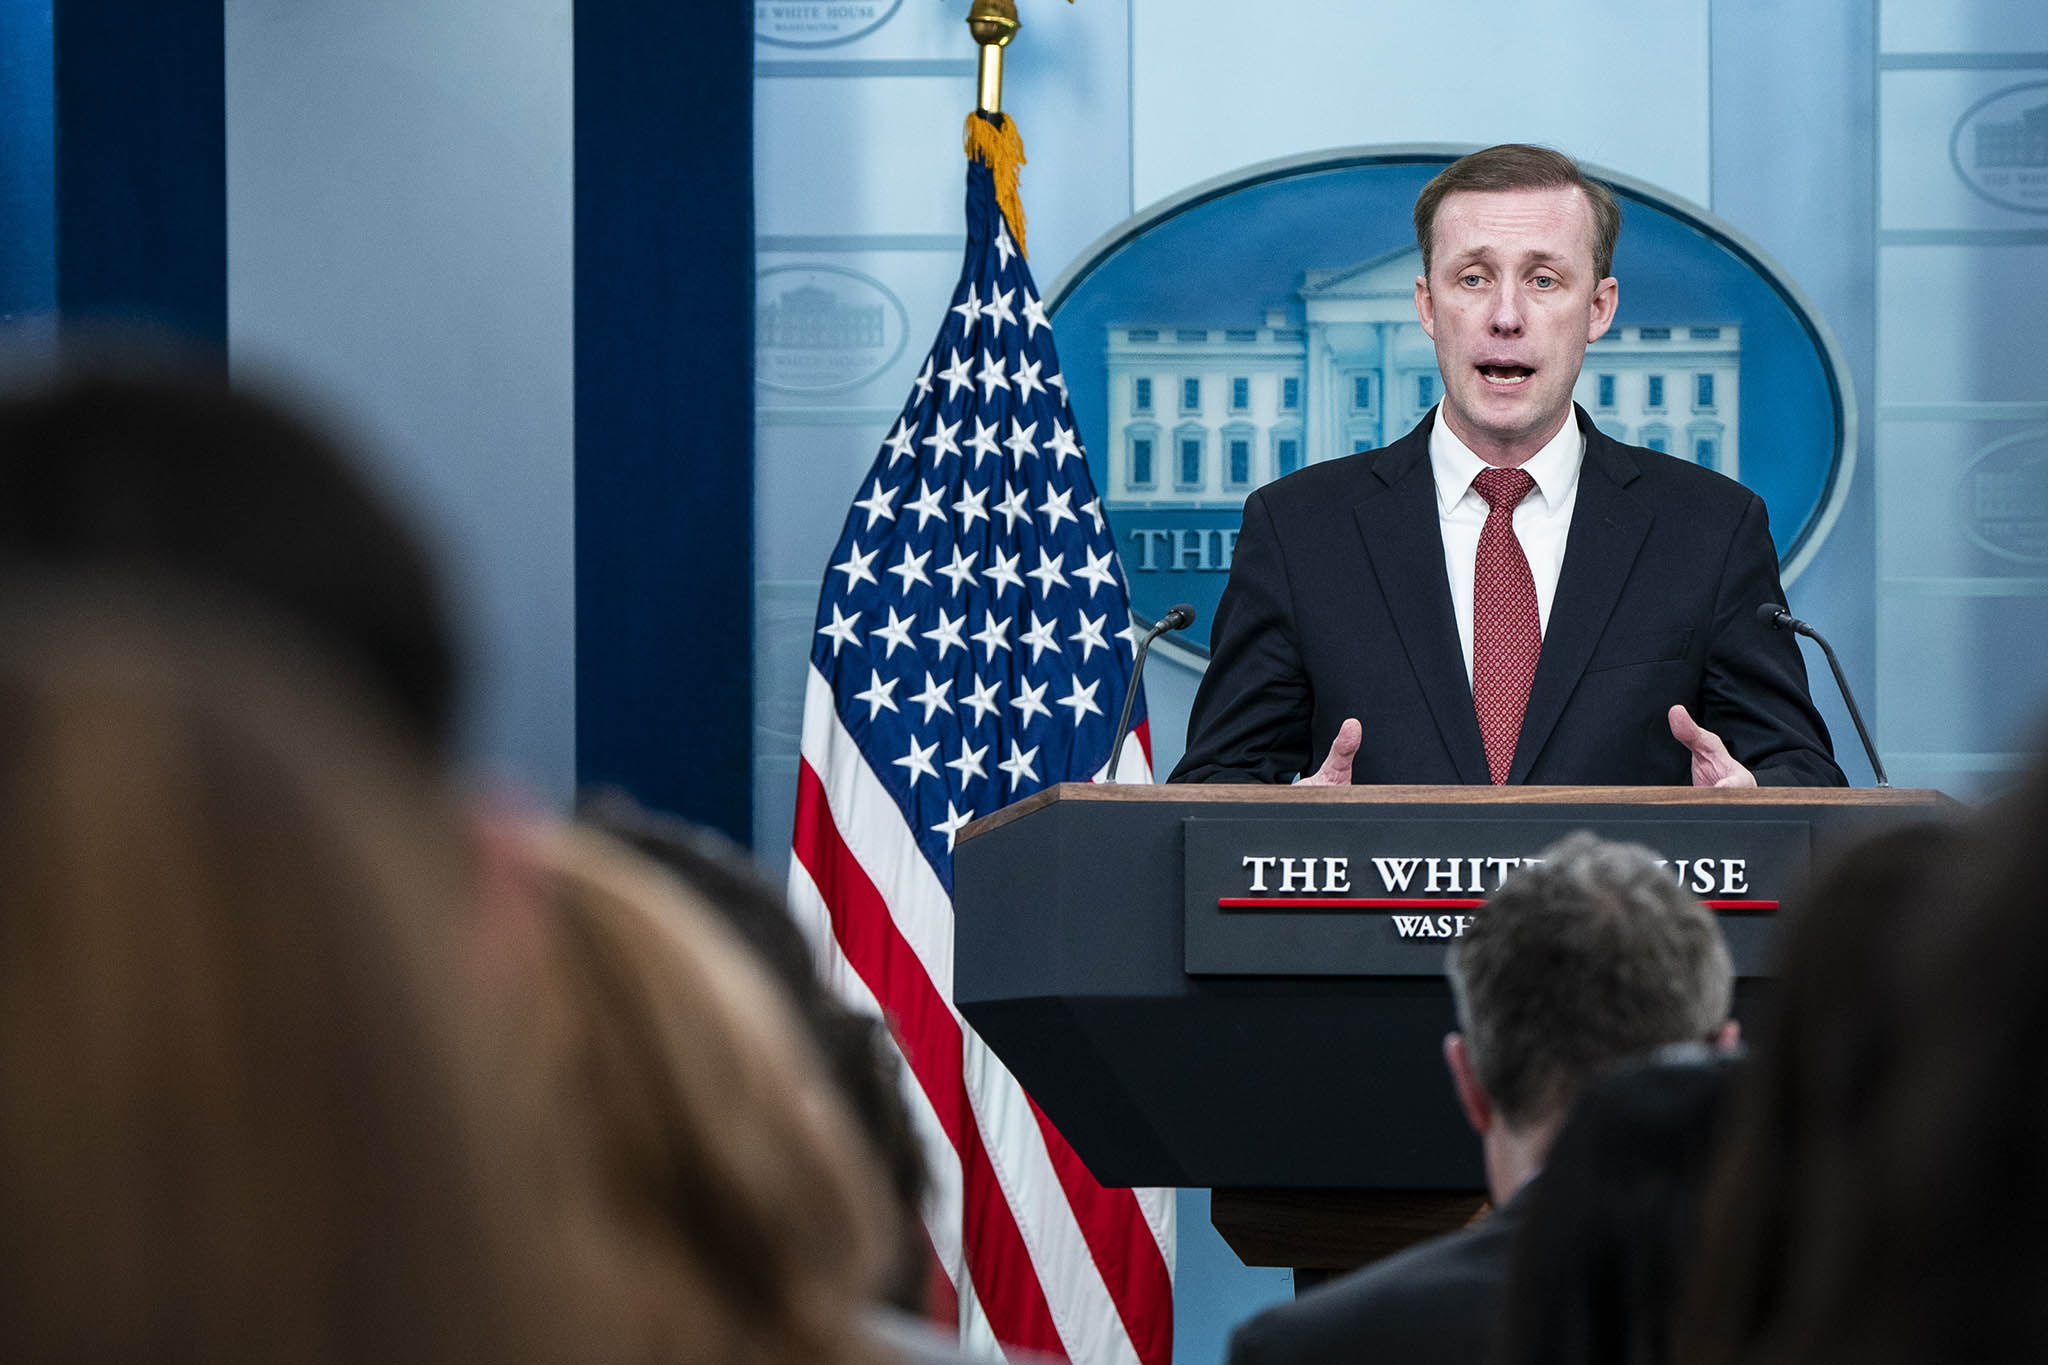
[
  {"x": 664, "y": 419},
  {"x": 28, "y": 162},
  {"x": 141, "y": 167}
]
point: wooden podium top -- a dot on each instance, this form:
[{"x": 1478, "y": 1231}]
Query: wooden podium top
[{"x": 1240, "y": 793}]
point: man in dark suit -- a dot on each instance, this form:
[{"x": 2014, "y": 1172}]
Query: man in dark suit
[
  {"x": 1577, "y": 964},
  {"x": 1505, "y": 594}
]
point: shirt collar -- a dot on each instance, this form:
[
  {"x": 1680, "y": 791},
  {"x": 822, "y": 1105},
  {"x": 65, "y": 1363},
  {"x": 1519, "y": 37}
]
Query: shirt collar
[{"x": 1555, "y": 468}]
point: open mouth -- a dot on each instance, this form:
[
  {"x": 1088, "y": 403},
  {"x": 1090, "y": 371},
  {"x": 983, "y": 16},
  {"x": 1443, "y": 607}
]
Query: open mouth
[{"x": 1505, "y": 376}]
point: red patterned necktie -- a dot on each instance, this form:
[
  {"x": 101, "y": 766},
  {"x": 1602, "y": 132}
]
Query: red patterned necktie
[{"x": 1507, "y": 633}]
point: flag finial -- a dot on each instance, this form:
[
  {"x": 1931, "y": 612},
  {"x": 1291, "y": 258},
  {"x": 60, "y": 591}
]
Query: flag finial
[{"x": 993, "y": 23}]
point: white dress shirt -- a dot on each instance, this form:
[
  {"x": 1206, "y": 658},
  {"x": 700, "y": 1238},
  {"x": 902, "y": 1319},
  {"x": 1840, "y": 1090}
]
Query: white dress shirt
[{"x": 1541, "y": 521}]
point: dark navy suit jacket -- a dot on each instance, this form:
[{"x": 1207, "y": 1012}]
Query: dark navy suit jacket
[
  {"x": 1338, "y": 605},
  {"x": 1437, "y": 1301}
]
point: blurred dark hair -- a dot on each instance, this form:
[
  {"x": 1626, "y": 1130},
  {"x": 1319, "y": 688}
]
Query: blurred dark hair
[
  {"x": 856, "y": 1048},
  {"x": 1603, "y": 1253},
  {"x": 138, "y": 462},
  {"x": 1883, "y": 1182}
]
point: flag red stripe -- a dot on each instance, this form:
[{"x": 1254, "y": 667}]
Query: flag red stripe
[
  {"x": 1123, "y": 1245},
  {"x": 941, "y": 1299},
  {"x": 1004, "y": 1278}
]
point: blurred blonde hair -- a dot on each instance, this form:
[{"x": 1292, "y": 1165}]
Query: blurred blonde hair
[
  {"x": 757, "y": 1216},
  {"x": 250, "y": 1112}
]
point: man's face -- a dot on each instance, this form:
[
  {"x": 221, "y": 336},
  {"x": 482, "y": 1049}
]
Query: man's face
[{"x": 1511, "y": 301}]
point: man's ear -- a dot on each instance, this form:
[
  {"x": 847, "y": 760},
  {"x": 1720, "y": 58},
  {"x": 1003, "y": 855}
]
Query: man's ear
[
  {"x": 1425, "y": 306},
  {"x": 1728, "y": 1037},
  {"x": 1471, "y": 1098},
  {"x": 1606, "y": 298}
]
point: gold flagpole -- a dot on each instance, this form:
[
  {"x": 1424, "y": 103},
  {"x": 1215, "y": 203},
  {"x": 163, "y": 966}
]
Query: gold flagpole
[{"x": 993, "y": 23}]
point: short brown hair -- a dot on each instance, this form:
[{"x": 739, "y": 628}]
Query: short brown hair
[{"x": 1519, "y": 166}]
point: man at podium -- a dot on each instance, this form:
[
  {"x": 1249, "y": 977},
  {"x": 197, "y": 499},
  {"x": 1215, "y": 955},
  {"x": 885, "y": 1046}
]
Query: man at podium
[{"x": 1506, "y": 594}]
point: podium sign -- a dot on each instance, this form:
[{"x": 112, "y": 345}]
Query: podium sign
[{"x": 1365, "y": 896}]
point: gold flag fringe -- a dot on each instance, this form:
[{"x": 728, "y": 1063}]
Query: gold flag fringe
[{"x": 996, "y": 144}]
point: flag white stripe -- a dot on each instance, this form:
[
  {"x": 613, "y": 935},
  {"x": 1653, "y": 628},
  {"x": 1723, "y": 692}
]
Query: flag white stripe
[
  {"x": 945, "y": 1203},
  {"x": 873, "y": 829}
]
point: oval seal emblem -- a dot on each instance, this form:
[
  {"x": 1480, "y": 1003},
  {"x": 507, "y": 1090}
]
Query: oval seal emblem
[
  {"x": 2003, "y": 498},
  {"x": 824, "y": 328},
  {"x": 819, "y": 23},
  {"x": 2000, "y": 147}
]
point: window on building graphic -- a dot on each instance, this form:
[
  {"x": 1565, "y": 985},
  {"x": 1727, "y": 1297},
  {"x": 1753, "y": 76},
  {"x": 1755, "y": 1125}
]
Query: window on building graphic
[
  {"x": 1240, "y": 461},
  {"x": 1190, "y": 395},
  {"x": 1705, "y": 450},
  {"x": 1141, "y": 395},
  {"x": 1286, "y": 454},
  {"x": 1190, "y": 461},
  {"x": 1141, "y": 462},
  {"x": 1654, "y": 333},
  {"x": 1656, "y": 436},
  {"x": 1425, "y": 390},
  {"x": 1240, "y": 394},
  {"x": 1606, "y": 383},
  {"x": 1705, "y": 333},
  {"x": 1703, "y": 391},
  {"x": 1290, "y": 393},
  {"x": 1361, "y": 390},
  {"x": 1656, "y": 398}
]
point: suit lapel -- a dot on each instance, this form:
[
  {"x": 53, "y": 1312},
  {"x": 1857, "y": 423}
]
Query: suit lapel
[
  {"x": 1398, "y": 520},
  {"x": 1608, "y": 527}
]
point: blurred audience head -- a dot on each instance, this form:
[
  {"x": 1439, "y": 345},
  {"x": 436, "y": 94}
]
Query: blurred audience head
[
  {"x": 756, "y": 1223},
  {"x": 856, "y": 1049},
  {"x": 1583, "y": 960},
  {"x": 1883, "y": 1181},
  {"x": 139, "y": 463},
  {"x": 251, "y": 1112},
  {"x": 1606, "y": 1248}
]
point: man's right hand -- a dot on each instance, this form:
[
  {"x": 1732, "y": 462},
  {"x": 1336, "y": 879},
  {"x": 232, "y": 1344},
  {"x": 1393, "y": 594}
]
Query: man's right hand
[{"x": 1336, "y": 769}]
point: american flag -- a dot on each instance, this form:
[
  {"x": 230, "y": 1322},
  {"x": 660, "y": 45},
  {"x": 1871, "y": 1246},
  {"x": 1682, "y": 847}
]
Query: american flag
[{"x": 973, "y": 646}]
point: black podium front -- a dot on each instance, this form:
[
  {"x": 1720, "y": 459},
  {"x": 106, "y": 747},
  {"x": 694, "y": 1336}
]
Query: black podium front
[{"x": 1241, "y": 987}]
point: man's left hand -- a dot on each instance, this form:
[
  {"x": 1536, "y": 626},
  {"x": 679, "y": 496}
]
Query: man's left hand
[{"x": 1712, "y": 764}]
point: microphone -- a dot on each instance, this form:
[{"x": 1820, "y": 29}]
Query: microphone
[
  {"x": 1179, "y": 616},
  {"x": 1777, "y": 618}
]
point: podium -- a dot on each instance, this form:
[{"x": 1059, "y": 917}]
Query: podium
[{"x": 1241, "y": 987}]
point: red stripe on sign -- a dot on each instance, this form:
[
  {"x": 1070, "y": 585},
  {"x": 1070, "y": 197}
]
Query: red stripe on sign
[
  {"x": 1412, "y": 903},
  {"x": 1347, "y": 903},
  {"x": 997, "y": 1258},
  {"x": 1123, "y": 1247}
]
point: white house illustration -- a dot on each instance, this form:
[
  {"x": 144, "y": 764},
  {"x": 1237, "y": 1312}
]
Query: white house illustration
[{"x": 1202, "y": 415}]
